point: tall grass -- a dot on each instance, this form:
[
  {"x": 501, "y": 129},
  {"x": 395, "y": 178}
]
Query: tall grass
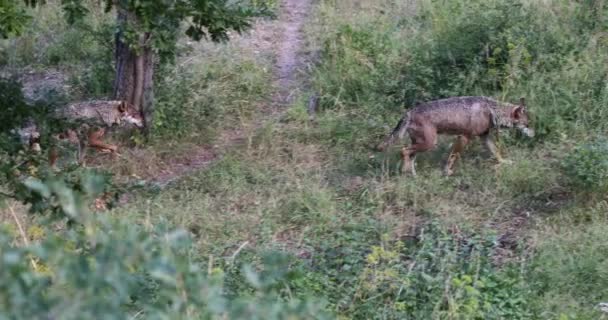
[
  {"x": 82, "y": 51},
  {"x": 381, "y": 57},
  {"x": 491, "y": 242},
  {"x": 218, "y": 85},
  {"x": 389, "y": 59}
]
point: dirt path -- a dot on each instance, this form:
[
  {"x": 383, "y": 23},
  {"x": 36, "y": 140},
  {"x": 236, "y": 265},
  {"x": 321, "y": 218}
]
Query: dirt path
[
  {"x": 284, "y": 39},
  {"x": 289, "y": 50}
]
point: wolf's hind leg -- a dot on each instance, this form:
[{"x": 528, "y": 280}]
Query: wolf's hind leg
[
  {"x": 491, "y": 146},
  {"x": 457, "y": 149},
  {"x": 420, "y": 143},
  {"x": 413, "y": 158}
]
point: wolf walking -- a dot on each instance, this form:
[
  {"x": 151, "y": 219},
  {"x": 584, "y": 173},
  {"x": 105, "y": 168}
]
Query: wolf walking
[
  {"x": 99, "y": 115},
  {"x": 96, "y": 116},
  {"x": 465, "y": 117}
]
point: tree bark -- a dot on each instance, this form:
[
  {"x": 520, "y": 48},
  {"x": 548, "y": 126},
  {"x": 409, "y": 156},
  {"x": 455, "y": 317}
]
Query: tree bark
[
  {"x": 123, "y": 80},
  {"x": 147, "y": 107},
  {"x": 133, "y": 81}
]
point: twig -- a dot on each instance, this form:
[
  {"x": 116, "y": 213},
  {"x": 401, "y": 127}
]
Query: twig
[
  {"x": 210, "y": 265},
  {"x": 12, "y": 196},
  {"x": 135, "y": 316},
  {"x": 23, "y": 234},
  {"x": 500, "y": 206},
  {"x": 238, "y": 250}
]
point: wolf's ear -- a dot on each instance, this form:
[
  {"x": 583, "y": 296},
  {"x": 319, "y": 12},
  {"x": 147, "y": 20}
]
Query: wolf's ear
[
  {"x": 122, "y": 107},
  {"x": 517, "y": 112},
  {"x": 522, "y": 101}
]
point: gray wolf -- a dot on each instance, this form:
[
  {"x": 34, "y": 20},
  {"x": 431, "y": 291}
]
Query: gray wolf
[
  {"x": 94, "y": 118},
  {"x": 465, "y": 117}
]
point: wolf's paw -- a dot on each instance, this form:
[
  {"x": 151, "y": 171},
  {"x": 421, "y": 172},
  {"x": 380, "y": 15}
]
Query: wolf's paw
[
  {"x": 448, "y": 172},
  {"x": 505, "y": 161}
]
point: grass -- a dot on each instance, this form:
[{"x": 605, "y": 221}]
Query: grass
[
  {"x": 491, "y": 242},
  {"x": 290, "y": 190}
]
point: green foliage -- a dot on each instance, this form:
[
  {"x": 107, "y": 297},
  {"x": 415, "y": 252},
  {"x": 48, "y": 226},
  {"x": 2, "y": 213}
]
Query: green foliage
[
  {"x": 89, "y": 45},
  {"x": 437, "y": 53},
  {"x": 385, "y": 62},
  {"x": 52, "y": 194},
  {"x": 362, "y": 237},
  {"x": 13, "y": 18},
  {"x": 527, "y": 176},
  {"x": 220, "y": 91},
  {"x": 119, "y": 270},
  {"x": 378, "y": 57},
  {"x": 15, "y": 155},
  {"x": 26, "y": 173},
  {"x": 568, "y": 273},
  {"x": 80, "y": 54},
  {"x": 443, "y": 275},
  {"x": 586, "y": 166},
  {"x": 206, "y": 19},
  {"x": 15, "y": 110}
]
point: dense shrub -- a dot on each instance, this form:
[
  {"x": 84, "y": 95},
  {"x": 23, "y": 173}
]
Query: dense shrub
[
  {"x": 83, "y": 51},
  {"x": 119, "y": 269},
  {"x": 545, "y": 52},
  {"x": 194, "y": 100},
  {"x": 442, "y": 275},
  {"x": 586, "y": 166},
  {"x": 568, "y": 273}
]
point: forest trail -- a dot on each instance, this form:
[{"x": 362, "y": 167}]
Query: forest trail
[
  {"x": 290, "y": 59},
  {"x": 283, "y": 38}
]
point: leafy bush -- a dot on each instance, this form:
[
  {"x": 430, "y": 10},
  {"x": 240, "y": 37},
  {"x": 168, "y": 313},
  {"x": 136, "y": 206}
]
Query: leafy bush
[
  {"x": 119, "y": 270},
  {"x": 568, "y": 273},
  {"x": 587, "y": 167},
  {"x": 546, "y": 52},
  {"x": 265, "y": 4},
  {"x": 97, "y": 78},
  {"x": 217, "y": 93},
  {"x": 440, "y": 52},
  {"x": 18, "y": 161},
  {"x": 83, "y": 51},
  {"x": 443, "y": 275}
]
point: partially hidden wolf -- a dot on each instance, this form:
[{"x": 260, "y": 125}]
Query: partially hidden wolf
[
  {"x": 465, "y": 117},
  {"x": 95, "y": 117}
]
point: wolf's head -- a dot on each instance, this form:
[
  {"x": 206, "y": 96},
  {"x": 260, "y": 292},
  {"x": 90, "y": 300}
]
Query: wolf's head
[
  {"x": 129, "y": 114},
  {"x": 520, "y": 120}
]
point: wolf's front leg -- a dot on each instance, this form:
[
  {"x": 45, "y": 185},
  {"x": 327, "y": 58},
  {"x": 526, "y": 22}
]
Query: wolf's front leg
[
  {"x": 95, "y": 141},
  {"x": 489, "y": 143},
  {"x": 408, "y": 155},
  {"x": 457, "y": 149}
]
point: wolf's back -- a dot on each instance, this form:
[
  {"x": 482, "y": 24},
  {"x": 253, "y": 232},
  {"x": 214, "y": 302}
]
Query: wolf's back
[{"x": 99, "y": 111}]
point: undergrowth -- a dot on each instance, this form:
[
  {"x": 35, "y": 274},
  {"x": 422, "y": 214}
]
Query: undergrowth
[{"x": 511, "y": 241}]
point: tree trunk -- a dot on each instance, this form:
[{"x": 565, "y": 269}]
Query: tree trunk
[
  {"x": 147, "y": 107},
  {"x": 133, "y": 81}
]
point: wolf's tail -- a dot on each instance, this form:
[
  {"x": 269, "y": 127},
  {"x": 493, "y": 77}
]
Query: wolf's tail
[{"x": 397, "y": 133}]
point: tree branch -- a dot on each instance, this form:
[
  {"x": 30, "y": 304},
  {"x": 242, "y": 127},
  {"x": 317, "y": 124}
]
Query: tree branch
[
  {"x": 23, "y": 235},
  {"x": 12, "y": 196}
]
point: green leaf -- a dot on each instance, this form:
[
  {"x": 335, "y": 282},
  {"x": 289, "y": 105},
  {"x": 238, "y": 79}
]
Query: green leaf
[
  {"x": 252, "y": 277},
  {"x": 38, "y": 186}
]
